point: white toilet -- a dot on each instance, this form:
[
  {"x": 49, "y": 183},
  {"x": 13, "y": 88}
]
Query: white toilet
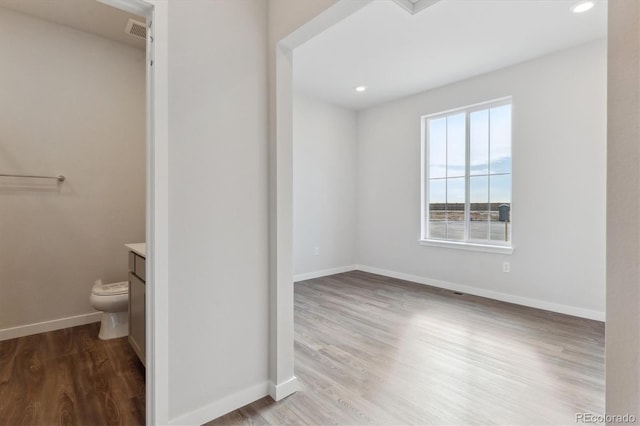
[{"x": 113, "y": 301}]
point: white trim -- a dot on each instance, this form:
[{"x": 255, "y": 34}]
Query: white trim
[
  {"x": 323, "y": 273},
  {"x": 137, "y": 7},
  {"x": 459, "y": 245},
  {"x": 281, "y": 333},
  {"x": 157, "y": 205},
  {"x": 423, "y": 4},
  {"x": 52, "y": 325},
  {"x": 283, "y": 390},
  {"x": 478, "y": 106},
  {"x": 406, "y": 5},
  {"x": 157, "y": 294},
  {"x": 416, "y": 7},
  {"x": 504, "y": 297},
  {"x": 222, "y": 406},
  {"x": 325, "y": 20}
]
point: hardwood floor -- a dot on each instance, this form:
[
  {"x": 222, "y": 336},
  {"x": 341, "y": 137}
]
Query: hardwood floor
[
  {"x": 376, "y": 350},
  {"x": 70, "y": 377},
  {"x": 369, "y": 350}
]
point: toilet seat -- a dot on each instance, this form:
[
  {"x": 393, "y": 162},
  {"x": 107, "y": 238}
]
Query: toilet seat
[{"x": 111, "y": 289}]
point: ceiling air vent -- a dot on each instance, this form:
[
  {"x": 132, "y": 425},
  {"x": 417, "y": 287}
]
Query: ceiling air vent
[{"x": 136, "y": 29}]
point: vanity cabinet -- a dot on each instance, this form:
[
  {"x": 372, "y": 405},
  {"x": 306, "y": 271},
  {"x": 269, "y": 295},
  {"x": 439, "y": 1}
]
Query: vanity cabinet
[{"x": 137, "y": 309}]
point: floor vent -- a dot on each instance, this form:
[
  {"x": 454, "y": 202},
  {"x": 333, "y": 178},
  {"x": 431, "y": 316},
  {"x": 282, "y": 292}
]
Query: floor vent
[{"x": 136, "y": 29}]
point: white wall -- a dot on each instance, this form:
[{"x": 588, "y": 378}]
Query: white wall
[
  {"x": 284, "y": 17},
  {"x": 324, "y": 192},
  {"x": 623, "y": 224},
  {"x": 71, "y": 103},
  {"x": 559, "y": 162},
  {"x": 218, "y": 207}
]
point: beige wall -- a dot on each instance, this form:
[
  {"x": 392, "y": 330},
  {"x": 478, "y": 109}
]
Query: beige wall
[
  {"x": 70, "y": 103},
  {"x": 623, "y": 210}
]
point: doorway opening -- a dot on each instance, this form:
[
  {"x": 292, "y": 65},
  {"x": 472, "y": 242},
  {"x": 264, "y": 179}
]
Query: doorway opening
[{"x": 380, "y": 220}]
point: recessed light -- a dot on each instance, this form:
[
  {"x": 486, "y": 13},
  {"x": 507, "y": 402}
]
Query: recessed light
[
  {"x": 360, "y": 88},
  {"x": 582, "y": 6}
]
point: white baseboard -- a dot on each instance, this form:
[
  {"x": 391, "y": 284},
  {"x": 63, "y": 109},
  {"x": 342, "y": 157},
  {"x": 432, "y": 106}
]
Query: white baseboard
[
  {"x": 43, "y": 327},
  {"x": 504, "y": 297},
  {"x": 323, "y": 273},
  {"x": 283, "y": 390},
  {"x": 223, "y": 406}
]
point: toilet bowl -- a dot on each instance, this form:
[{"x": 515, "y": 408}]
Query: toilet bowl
[{"x": 113, "y": 301}]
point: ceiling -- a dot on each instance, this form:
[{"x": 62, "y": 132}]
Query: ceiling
[
  {"x": 396, "y": 54},
  {"x": 84, "y": 15}
]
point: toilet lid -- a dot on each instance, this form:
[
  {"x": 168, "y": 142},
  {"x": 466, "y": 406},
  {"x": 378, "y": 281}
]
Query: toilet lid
[{"x": 111, "y": 289}]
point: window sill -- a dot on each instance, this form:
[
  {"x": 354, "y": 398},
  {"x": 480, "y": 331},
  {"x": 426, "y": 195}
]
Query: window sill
[{"x": 486, "y": 248}]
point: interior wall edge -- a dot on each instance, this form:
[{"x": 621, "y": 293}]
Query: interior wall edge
[{"x": 622, "y": 331}]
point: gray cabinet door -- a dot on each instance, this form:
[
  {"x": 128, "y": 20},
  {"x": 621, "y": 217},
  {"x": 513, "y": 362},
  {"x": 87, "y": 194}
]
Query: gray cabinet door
[{"x": 137, "y": 316}]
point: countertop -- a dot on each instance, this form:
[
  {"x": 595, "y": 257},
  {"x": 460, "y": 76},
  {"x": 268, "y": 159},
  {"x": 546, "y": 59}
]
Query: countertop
[{"x": 138, "y": 248}]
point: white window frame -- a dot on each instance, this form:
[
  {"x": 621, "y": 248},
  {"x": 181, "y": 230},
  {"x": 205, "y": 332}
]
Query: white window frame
[{"x": 467, "y": 244}]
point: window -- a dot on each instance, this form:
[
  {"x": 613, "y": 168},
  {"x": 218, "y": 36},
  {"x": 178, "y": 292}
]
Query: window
[{"x": 466, "y": 173}]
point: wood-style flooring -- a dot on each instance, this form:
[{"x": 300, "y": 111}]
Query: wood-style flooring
[
  {"x": 376, "y": 350},
  {"x": 70, "y": 377}
]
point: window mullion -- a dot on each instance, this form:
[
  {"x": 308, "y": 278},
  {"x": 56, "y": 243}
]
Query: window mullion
[
  {"x": 489, "y": 175},
  {"x": 425, "y": 171},
  {"x": 446, "y": 180},
  {"x": 467, "y": 178}
]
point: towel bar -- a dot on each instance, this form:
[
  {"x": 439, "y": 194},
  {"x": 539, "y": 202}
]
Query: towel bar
[{"x": 58, "y": 178}]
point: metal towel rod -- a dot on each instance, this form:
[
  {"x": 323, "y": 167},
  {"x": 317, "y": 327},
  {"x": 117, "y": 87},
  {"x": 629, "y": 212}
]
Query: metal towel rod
[{"x": 58, "y": 178}]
